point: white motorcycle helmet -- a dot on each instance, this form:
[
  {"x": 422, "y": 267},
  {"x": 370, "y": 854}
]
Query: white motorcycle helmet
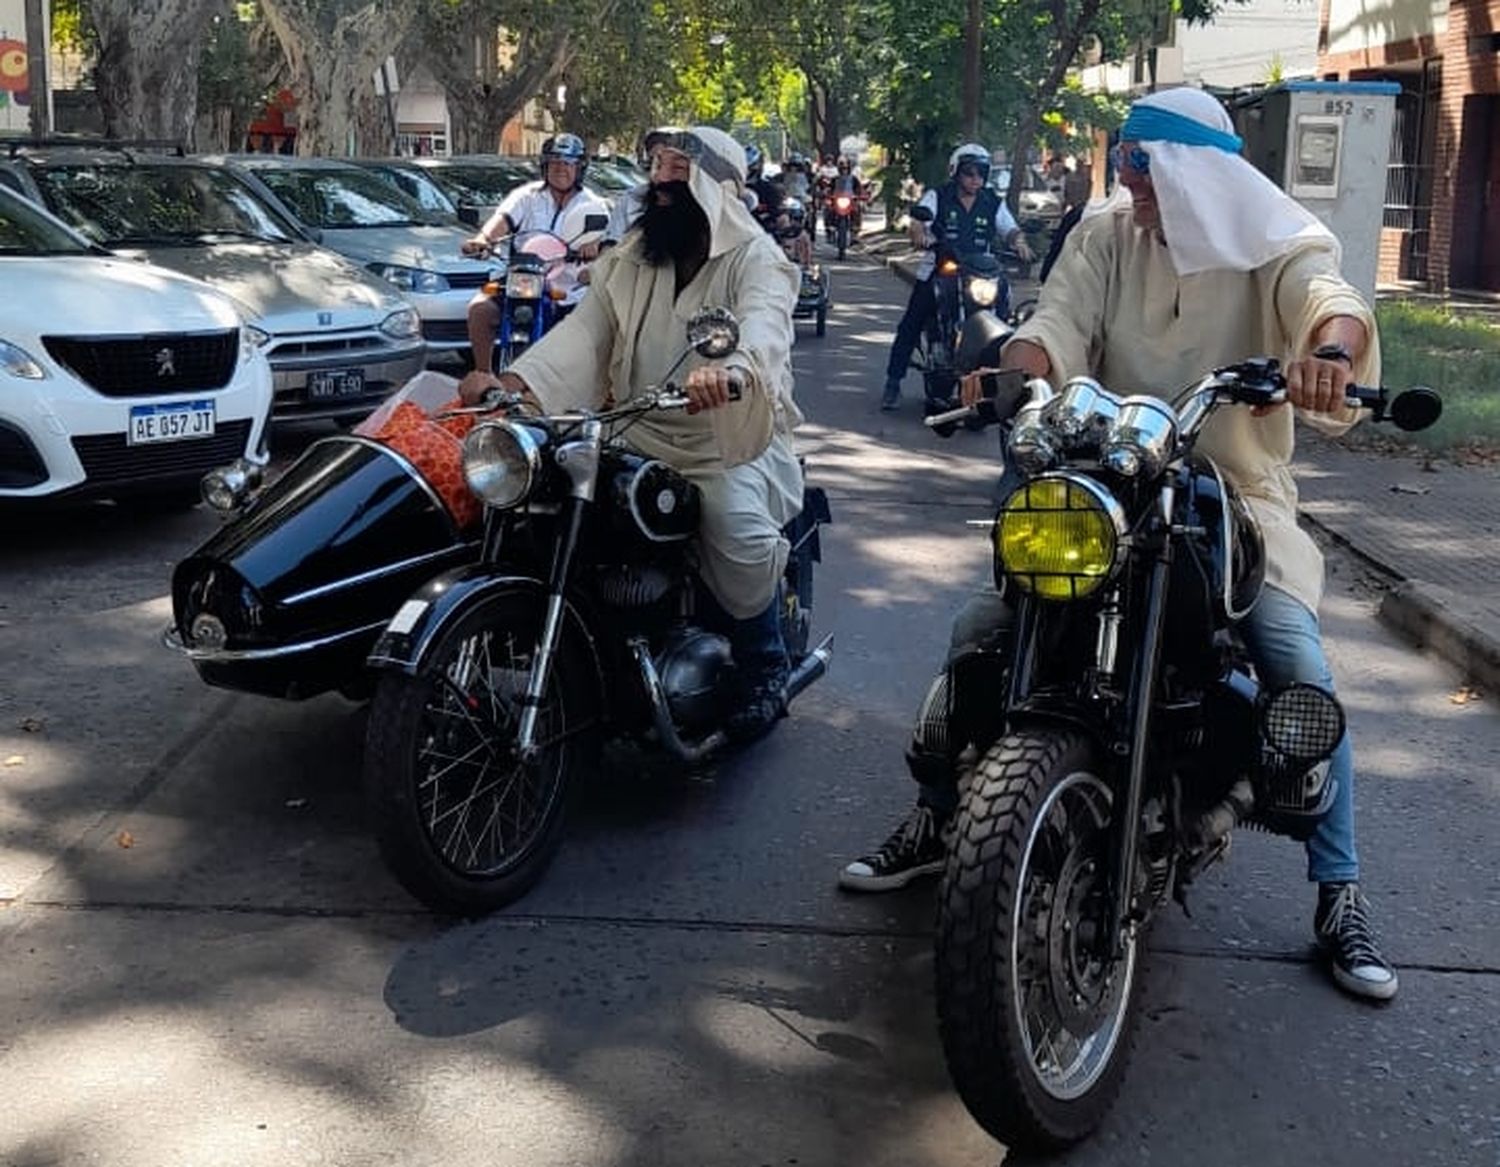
[{"x": 970, "y": 152}]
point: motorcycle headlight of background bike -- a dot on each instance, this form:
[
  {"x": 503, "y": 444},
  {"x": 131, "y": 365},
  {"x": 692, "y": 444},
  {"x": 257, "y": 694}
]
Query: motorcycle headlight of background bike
[
  {"x": 502, "y": 461},
  {"x": 983, "y": 290},
  {"x": 1060, "y": 536},
  {"x": 524, "y": 285}
]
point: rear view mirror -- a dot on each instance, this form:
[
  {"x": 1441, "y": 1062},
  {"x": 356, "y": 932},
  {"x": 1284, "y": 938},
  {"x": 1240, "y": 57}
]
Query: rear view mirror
[
  {"x": 1415, "y": 409},
  {"x": 469, "y": 216},
  {"x": 714, "y": 333}
]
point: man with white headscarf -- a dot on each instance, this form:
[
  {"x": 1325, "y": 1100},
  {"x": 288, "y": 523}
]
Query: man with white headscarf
[
  {"x": 696, "y": 245},
  {"x": 1198, "y": 261}
]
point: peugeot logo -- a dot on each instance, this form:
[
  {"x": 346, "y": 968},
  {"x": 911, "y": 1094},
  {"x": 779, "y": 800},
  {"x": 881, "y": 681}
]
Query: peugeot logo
[
  {"x": 325, "y": 319},
  {"x": 166, "y": 363}
]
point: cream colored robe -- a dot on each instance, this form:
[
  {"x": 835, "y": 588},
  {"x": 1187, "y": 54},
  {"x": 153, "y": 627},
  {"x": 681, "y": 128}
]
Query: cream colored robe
[
  {"x": 1114, "y": 308},
  {"x": 621, "y": 341}
]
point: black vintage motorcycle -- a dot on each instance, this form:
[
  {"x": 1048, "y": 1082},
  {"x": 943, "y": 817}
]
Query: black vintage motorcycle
[
  {"x": 1131, "y": 739},
  {"x": 973, "y": 300},
  {"x": 500, "y": 659}
]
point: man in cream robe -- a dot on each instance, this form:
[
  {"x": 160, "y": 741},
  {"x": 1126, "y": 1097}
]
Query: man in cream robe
[
  {"x": 1198, "y": 261},
  {"x": 621, "y": 342}
]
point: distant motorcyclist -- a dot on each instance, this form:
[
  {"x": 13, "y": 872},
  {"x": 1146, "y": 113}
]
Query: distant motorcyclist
[
  {"x": 768, "y": 195},
  {"x": 795, "y": 179},
  {"x": 556, "y": 202},
  {"x": 846, "y": 180},
  {"x": 968, "y": 216}
]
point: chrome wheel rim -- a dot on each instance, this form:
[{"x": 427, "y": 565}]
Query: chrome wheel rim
[
  {"x": 482, "y": 808},
  {"x": 1070, "y": 1003}
]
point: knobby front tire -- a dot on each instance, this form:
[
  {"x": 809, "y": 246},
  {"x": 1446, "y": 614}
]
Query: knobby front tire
[{"x": 1036, "y": 1027}]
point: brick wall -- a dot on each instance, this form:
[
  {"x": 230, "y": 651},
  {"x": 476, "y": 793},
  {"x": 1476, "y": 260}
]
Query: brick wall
[
  {"x": 1392, "y": 247},
  {"x": 1464, "y": 74}
]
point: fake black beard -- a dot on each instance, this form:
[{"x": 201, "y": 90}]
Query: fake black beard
[{"x": 672, "y": 231}]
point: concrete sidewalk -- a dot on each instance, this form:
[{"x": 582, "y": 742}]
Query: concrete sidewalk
[{"x": 1430, "y": 526}]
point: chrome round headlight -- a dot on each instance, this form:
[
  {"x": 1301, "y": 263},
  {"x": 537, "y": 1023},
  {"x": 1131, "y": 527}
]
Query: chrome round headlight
[
  {"x": 1142, "y": 437},
  {"x": 983, "y": 290},
  {"x": 1060, "y": 536},
  {"x": 524, "y": 285},
  {"x": 502, "y": 461}
]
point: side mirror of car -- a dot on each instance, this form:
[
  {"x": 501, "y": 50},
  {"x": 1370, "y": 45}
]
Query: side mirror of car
[{"x": 469, "y": 216}]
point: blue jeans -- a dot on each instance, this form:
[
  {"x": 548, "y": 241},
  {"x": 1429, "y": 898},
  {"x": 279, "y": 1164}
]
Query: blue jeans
[{"x": 1285, "y": 644}]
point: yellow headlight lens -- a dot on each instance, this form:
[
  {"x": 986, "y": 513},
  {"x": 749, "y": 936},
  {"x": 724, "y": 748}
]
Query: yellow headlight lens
[{"x": 1058, "y": 537}]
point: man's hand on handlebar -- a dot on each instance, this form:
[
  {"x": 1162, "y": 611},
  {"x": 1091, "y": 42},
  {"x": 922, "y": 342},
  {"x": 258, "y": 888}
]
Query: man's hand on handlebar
[
  {"x": 478, "y": 245},
  {"x": 477, "y": 385},
  {"x": 711, "y": 386}
]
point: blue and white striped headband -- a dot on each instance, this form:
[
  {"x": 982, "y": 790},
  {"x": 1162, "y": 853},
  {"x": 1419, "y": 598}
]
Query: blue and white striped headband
[{"x": 1152, "y": 123}]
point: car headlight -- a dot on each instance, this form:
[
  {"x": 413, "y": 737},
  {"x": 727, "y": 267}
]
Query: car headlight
[
  {"x": 1060, "y": 536},
  {"x": 524, "y": 285},
  {"x": 501, "y": 462},
  {"x": 251, "y": 340},
  {"x": 983, "y": 290},
  {"x": 19, "y": 363},
  {"x": 403, "y": 324},
  {"x": 411, "y": 279}
]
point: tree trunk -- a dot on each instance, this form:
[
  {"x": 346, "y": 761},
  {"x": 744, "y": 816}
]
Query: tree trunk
[
  {"x": 333, "y": 70},
  {"x": 146, "y": 72},
  {"x": 1070, "y": 37},
  {"x": 481, "y": 101}
]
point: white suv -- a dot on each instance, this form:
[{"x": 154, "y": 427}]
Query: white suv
[{"x": 117, "y": 378}]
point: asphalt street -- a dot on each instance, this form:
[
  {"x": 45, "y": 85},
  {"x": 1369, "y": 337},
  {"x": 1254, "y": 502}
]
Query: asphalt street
[{"x": 205, "y": 962}]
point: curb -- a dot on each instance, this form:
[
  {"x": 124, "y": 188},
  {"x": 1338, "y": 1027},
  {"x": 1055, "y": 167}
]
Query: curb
[{"x": 1428, "y": 616}]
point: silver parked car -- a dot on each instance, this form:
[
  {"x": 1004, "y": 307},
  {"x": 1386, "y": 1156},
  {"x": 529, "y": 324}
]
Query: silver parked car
[
  {"x": 338, "y": 339},
  {"x": 361, "y": 216}
]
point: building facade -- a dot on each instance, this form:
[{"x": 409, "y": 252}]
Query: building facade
[{"x": 1442, "y": 207}]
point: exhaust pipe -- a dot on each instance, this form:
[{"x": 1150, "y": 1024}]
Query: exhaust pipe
[{"x": 812, "y": 666}]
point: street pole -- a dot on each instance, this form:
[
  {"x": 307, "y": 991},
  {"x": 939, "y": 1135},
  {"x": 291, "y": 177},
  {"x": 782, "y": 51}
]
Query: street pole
[
  {"x": 38, "y": 73},
  {"x": 973, "y": 62}
]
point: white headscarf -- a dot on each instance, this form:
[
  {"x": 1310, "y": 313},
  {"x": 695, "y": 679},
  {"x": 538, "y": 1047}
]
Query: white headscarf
[
  {"x": 717, "y": 180},
  {"x": 1217, "y": 211}
]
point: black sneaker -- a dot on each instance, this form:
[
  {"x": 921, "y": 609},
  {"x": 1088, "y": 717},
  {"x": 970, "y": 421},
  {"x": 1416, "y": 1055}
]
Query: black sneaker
[
  {"x": 890, "y": 397},
  {"x": 1346, "y": 935},
  {"x": 915, "y": 848}
]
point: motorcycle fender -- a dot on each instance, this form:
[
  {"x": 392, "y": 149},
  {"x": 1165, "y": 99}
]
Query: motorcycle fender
[{"x": 419, "y": 624}]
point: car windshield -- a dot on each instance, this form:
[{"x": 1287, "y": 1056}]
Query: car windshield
[
  {"x": 416, "y": 184},
  {"x": 341, "y": 198},
  {"x": 481, "y": 185},
  {"x": 145, "y": 205},
  {"x": 26, "y": 231},
  {"x": 607, "y": 178}
]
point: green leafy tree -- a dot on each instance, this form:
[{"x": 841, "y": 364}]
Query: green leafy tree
[
  {"x": 493, "y": 56},
  {"x": 241, "y": 67}
]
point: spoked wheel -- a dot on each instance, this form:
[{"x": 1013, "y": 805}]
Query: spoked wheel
[
  {"x": 465, "y": 823},
  {"x": 1036, "y": 1014}
]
